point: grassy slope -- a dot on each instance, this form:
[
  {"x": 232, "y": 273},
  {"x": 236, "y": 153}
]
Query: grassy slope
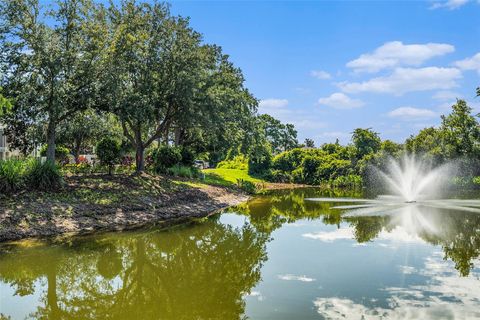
[{"x": 227, "y": 177}]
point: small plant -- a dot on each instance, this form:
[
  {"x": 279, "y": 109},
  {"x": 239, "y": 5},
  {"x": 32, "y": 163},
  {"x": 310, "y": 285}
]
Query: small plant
[
  {"x": 247, "y": 186},
  {"x": 11, "y": 175},
  {"x": 108, "y": 151},
  {"x": 43, "y": 176}
]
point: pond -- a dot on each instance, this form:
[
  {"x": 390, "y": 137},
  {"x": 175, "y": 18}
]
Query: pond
[{"x": 278, "y": 256}]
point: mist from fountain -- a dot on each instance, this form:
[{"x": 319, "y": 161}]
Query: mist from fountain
[{"x": 410, "y": 181}]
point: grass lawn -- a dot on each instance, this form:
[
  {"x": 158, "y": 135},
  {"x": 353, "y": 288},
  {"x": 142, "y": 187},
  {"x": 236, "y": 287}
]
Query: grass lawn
[{"x": 227, "y": 177}]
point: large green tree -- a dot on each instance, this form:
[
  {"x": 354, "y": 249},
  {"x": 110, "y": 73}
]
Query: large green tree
[
  {"x": 366, "y": 141},
  {"x": 50, "y": 60},
  {"x": 282, "y": 137}
]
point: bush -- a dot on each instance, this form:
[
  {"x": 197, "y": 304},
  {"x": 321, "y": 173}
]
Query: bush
[
  {"x": 108, "y": 151},
  {"x": 11, "y": 175},
  {"x": 183, "y": 171},
  {"x": 247, "y": 186},
  {"x": 260, "y": 160},
  {"x": 476, "y": 180},
  {"x": 165, "y": 157},
  {"x": 279, "y": 176},
  {"x": 239, "y": 162},
  {"x": 188, "y": 156},
  {"x": 349, "y": 181},
  {"x": 43, "y": 176},
  {"x": 78, "y": 168},
  {"x": 61, "y": 153}
]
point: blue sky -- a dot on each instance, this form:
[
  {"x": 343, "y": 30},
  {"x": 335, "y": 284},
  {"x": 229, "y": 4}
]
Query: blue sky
[{"x": 330, "y": 67}]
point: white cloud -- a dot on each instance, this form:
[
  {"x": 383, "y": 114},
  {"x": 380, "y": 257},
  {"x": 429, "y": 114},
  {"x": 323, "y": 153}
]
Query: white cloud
[
  {"x": 273, "y": 103},
  {"x": 340, "y": 100},
  {"x": 292, "y": 277},
  {"x": 396, "y": 54},
  {"x": 410, "y": 113},
  {"x": 446, "y": 95},
  {"x": 330, "y": 236},
  {"x": 404, "y": 80},
  {"x": 320, "y": 74},
  {"x": 472, "y": 63},
  {"x": 449, "y": 4}
]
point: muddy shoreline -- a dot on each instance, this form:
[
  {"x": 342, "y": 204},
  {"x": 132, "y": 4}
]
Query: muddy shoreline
[{"x": 40, "y": 215}]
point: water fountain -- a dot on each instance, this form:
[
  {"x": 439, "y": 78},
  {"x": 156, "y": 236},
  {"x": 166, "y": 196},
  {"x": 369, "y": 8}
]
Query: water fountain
[{"x": 410, "y": 181}]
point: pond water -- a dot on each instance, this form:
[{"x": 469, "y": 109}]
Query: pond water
[{"x": 275, "y": 257}]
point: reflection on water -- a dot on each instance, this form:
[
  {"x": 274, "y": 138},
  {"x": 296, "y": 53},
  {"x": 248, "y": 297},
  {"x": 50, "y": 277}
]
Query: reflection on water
[{"x": 275, "y": 257}]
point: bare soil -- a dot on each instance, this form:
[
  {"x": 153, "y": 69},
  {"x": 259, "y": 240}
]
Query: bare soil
[{"x": 100, "y": 202}]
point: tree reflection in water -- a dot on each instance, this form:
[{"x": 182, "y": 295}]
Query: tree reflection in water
[
  {"x": 456, "y": 231},
  {"x": 200, "y": 272}
]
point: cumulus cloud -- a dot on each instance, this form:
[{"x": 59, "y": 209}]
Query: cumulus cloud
[
  {"x": 340, "y": 100},
  {"x": 404, "y": 80},
  {"x": 320, "y": 74},
  {"x": 410, "y": 113},
  {"x": 396, "y": 54},
  {"x": 449, "y": 4},
  {"x": 472, "y": 63},
  {"x": 273, "y": 103}
]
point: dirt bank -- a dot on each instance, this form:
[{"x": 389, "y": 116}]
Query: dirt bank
[{"x": 91, "y": 203}]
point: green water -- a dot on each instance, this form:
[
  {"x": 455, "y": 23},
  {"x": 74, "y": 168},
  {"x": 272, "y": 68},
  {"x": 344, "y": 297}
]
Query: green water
[{"x": 276, "y": 257}]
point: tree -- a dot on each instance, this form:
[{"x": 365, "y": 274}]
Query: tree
[
  {"x": 282, "y": 137},
  {"x": 460, "y": 131},
  {"x": 108, "y": 151},
  {"x": 5, "y": 104},
  {"x": 309, "y": 143},
  {"x": 84, "y": 130},
  {"x": 50, "y": 60},
  {"x": 366, "y": 142}
]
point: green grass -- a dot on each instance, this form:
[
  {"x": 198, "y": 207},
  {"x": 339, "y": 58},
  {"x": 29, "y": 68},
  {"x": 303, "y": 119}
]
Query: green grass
[{"x": 227, "y": 177}]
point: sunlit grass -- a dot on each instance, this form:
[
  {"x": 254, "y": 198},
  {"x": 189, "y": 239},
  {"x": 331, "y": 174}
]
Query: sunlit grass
[{"x": 228, "y": 177}]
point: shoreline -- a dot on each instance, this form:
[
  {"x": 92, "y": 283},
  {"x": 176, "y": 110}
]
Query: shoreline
[{"x": 44, "y": 215}]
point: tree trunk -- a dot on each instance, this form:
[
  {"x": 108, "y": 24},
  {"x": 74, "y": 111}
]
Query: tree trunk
[
  {"x": 140, "y": 158},
  {"x": 76, "y": 152},
  {"x": 51, "y": 142}
]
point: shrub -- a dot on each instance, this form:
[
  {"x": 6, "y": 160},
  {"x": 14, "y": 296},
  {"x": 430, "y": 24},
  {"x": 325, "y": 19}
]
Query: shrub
[
  {"x": 108, "y": 151},
  {"x": 476, "y": 180},
  {"x": 78, "y": 168},
  {"x": 11, "y": 175},
  {"x": 238, "y": 162},
  {"x": 165, "y": 157},
  {"x": 183, "y": 171},
  {"x": 349, "y": 181},
  {"x": 247, "y": 186},
  {"x": 279, "y": 176},
  {"x": 188, "y": 156},
  {"x": 43, "y": 176},
  {"x": 310, "y": 165},
  {"x": 260, "y": 160},
  {"x": 61, "y": 153}
]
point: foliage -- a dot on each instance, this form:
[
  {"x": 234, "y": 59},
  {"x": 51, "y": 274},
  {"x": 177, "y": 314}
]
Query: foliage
[
  {"x": 165, "y": 157},
  {"x": 50, "y": 63},
  {"x": 61, "y": 153},
  {"x": 183, "y": 171},
  {"x": 366, "y": 141},
  {"x": 239, "y": 162},
  {"x": 108, "y": 152},
  {"x": 11, "y": 175},
  {"x": 43, "y": 176},
  {"x": 309, "y": 143},
  {"x": 282, "y": 137},
  {"x": 260, "y": 160},
  {"x": 247, "y": 186},
  {"x": 188, "y": 156}
]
